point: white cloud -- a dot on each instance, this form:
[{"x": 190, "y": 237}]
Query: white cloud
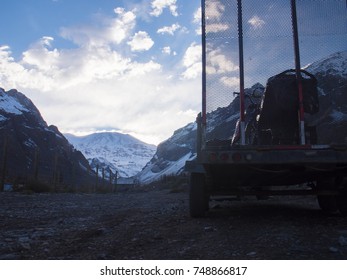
[
  {"x": 103, "y": 89},
  {"x": 48, "y": 70},
  {"x": 217, "y": 27},
  {"x": 166, "y": 50},
  {"x": 197, "y": 16},
  {"x": 112, "y": 30},
  {"x": 12, "y": 72},
  {"x": 143, "y": 68},
  {"x": 169, "y": 29},
  {"x": 159, "y": 5},
  {"x": 96, "y": 86},
  {"x": 197, "y": 20},
  {"x": 141, "y": 41},
  {"x": 192, "y": 62},
  {"x": 214, "y": 10},
  {"x": 192, "y": 55},
  {"x": 256, "y": 22},
  {"x": 232, "y": 82},
  {"x": 40, "y": 56},
  {"x": 193, "y": 71},
  {"x": 218, "y": 63},
  {"x": 120, "y": 28}
]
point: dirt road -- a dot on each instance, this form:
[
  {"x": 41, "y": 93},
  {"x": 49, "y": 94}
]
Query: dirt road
[{"x": 155, "y": 225}]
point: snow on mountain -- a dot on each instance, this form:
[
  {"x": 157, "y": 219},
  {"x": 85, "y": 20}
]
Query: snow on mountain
[
  {"x": 11, "y": 105},
  {"x": 335, "y": 64},
  {"x": 171, "y": 155},
  {"x": 331, "y": 121},
  {"x": 34, "y": 150},
  {"x": 119, "y": 152},
  {"x": 149, "y": 174},
  {"x": 16, "y": 103}
]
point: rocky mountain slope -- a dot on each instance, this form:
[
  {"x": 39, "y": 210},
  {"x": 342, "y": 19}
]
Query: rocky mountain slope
[
  {"x": 113, "y": 151},
  {"x": 331, "y": 121},
  {"x": 171, "y": 155},
  {"x": 30, "y": 149}
]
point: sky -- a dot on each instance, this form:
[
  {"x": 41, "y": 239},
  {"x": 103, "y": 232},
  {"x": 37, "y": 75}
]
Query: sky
[
  {"x": 105, "y": 65},
  {"x": 267, "y": 40},
  {"x": 134, "y": 66}
]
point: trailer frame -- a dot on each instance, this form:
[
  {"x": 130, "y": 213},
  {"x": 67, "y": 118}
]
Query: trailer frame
[{"x": 221, "y": 168}]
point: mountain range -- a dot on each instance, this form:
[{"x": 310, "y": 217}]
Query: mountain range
[
  {"x": 29, "y": 148},
  {"x": 32, "y": 150},
  {"x": 115, "y": 152}
]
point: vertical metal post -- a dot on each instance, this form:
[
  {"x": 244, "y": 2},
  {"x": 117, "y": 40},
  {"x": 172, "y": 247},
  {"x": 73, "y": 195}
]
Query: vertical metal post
[
  {"x": 297, "y": 71},
  {"x": 242, "y": 75},
  {"x": 202, "y": 135},
  {"x": 199, "y": 139},
  {"x": 203, "y": 57}
]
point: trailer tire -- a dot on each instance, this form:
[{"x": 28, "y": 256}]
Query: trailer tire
[
  {"x": 328, "y": 203},
  {"x": 198, "y": 197}
]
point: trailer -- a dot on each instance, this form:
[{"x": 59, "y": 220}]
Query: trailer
[{"x": 273, "y": 151}]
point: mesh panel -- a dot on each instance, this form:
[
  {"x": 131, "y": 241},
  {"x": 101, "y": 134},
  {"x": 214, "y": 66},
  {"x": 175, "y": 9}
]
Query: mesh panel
[
  {"x": 222, "y": 75},
  {"x": 268, "y": 44}
]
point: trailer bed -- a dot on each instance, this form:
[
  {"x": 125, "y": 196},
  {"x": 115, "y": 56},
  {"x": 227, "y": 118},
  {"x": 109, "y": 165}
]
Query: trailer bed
[
  {"x": 270, "y": 165},
  {"x": 264, "y": 171}
]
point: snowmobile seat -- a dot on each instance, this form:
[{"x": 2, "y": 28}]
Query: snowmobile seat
[{"x": 280, "y": 105}]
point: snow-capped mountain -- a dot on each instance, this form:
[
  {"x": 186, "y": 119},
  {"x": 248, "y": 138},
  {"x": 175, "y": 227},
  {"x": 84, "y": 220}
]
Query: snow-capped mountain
[
  {"x": 333, "y": 65},
  {"x": 331, "y": 120},
  {"x": 171, "y": 155},
  {"x": 30, "y": 149},
  {"x": 118, "y": 152}
]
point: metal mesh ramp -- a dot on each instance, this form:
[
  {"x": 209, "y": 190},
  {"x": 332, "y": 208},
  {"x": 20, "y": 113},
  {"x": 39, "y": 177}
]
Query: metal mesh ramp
[{"x": 267, "y": 45}]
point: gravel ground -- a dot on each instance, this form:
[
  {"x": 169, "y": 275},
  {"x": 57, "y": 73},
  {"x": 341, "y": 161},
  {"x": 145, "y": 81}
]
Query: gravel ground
[{"x": 155, "y": 224}]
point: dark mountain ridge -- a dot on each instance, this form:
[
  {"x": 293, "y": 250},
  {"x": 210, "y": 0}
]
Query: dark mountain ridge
[{"x": 32, "y": 150}]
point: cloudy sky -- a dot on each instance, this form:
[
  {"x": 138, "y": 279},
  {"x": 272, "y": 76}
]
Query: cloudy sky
[
  {"x": 128, "y": 66},
  {"x": 131, "y": 66}
]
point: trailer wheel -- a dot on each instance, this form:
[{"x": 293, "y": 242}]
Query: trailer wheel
[
  {"x": 328, "y": 203},
  {"x": 198, "y": 197}
]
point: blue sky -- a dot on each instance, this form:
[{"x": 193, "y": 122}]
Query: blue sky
[
  {"x": 128, "y": 66},
  {"x": 135, "y": 66}
]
